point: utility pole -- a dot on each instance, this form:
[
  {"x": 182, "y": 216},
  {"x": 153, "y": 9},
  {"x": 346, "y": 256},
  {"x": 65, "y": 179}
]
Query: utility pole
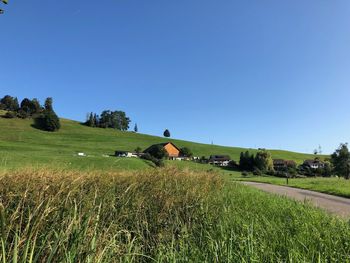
[{"x": 287, "y": 177}]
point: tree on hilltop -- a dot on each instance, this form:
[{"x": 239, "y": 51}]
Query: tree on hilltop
[
  {"x": 49, "y": 120},
  {"x": 9, "y": 103},
  {"x": 166, "y": 133},
  {"x": 90, "y": 120}
]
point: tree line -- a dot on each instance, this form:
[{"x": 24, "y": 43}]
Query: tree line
[
  {"x": 44, "y": 115},
  {"x": 337, "y": 164},
  {"x": 109, "y": 119},
  {"x": 260, "y": 163}
]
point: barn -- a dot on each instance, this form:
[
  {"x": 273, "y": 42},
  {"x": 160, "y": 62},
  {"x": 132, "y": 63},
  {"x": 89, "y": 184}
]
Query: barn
[{"x": 172, "y": 150}]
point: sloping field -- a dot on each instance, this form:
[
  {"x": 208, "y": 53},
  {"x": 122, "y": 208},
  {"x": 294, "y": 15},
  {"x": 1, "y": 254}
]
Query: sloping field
[{"x": 23, "y": 145}]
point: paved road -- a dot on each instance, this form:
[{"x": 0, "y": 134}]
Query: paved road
[{"x": 334, "y": 204}]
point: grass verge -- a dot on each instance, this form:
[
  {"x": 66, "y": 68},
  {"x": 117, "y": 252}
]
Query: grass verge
[{"x": 333, "y": 185}]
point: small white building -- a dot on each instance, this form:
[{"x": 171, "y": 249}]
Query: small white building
[
  {"x": 314, "y": 164},
  {"x": 126, "y": 154},
  {"x": 219, "y": 160}
]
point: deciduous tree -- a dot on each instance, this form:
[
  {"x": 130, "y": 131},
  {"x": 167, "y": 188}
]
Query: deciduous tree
[
  {"x": 263, "y": 161},
  {"x": 186, "y": 152},
  {"x": 341, "y": 161}
]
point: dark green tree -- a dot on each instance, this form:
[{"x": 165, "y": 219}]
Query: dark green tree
[
  {"x": 341, "y": 161},
  {"x": 158, "y": 152},
  {"x": 96, "y": 120},
  {"x": 138, "y": 150},
  {"x": 27, "y": 108},
  {"x": 186, "y": 152},
  {"x": 263, "y": 161},
  {"x": 166, "y": 133},
  {"x": 49, "y": 120},
  {"x": 246, "y": 161},
  {"x": 136, "y": 129},
  {"x": 106, "y": 119},
  {"x": 90, "y": 120},
  {"x": 9, "y": 103},
  {"x": 114, "y": 119},
  {"x": 48, "y": 104},
  {"x": 328, "y": 169},
  {"x": 36, "y": 107}
]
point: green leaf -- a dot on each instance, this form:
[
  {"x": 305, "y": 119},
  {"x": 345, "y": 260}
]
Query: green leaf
[{"x": 5, "y": 1}]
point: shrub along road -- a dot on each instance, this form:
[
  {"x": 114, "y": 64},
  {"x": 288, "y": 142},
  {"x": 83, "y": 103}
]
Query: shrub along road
[{"x": 333, "y": 204}]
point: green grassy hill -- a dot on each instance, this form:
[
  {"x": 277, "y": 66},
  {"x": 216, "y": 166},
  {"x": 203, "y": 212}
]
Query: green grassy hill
[{"x": 23, "y": 145}]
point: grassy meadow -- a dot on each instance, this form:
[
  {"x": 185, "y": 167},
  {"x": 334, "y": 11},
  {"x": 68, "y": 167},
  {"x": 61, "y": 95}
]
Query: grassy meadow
[
  {"x": 58, "y": 207},
  {"x": 158, "y": 215},
  {"x": 22, "y": 145}
]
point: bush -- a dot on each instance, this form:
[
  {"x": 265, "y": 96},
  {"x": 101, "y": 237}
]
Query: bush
[
  {"x": 186, "y": 152},
  {"x": 245, "y": 174},
  {"x": 271, "y": 172},
  {"x": 158, "y": 152},
  {"x": 232, "y": 164},
  {"x": 257, "y": 172},
  {"x": 281, "y": 174},
  {"x": 48, "y": 121},
  {"x": 23, "y": 114},
  {"x": 292, "y": 172},
  {"x": 10, "y": 115},
  {"x": 157, "y": 162},
  {"x": 138, "y": 150}
]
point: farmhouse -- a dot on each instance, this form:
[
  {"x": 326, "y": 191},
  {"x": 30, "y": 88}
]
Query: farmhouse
[
  {"x": 219, "y": 160},
  {"x": 281, "y": 165},
  {"x": 314, "y": 164},
  {"x": 172, "y": 150}
]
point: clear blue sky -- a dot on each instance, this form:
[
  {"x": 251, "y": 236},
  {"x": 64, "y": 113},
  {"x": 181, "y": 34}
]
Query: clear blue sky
[{"x": 272, "y": 74}]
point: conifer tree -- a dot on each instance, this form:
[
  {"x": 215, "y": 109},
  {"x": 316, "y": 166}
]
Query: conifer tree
[
  {"x": 49, "y": 121},
  {"x": 166, "y": 133}
]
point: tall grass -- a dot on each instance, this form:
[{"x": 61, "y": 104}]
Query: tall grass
[{"x": 162, "y": 215}]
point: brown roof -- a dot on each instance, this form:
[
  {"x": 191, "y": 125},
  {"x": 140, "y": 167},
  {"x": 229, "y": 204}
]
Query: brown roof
[
  {"x": 160, "y": 144},
  {"x": 279, "y": 161}
]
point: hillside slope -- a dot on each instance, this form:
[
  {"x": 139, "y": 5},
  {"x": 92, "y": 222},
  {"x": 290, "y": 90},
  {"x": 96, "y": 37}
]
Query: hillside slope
[{"x": 22, "y": 145}]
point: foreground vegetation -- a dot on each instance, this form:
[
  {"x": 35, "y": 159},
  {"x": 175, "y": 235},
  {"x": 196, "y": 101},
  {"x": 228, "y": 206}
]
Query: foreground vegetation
[{"x": 162, "y": 215}]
